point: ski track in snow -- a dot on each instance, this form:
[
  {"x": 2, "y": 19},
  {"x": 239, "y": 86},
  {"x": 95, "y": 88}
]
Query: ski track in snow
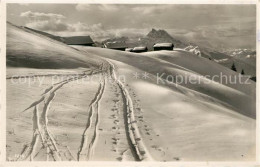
[
  {"x": 40, "y": 125},
  {"x": 89, "y": 135},
  {"x": 27, "y": 151},
  {"x": 137, "y": 146},
  {"x": 89, "y": 138}
]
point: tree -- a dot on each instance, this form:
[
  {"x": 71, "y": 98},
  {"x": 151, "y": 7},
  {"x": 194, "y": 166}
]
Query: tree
[
  {"x": 233, "y": 67},
  {"x": 253, "y": 78},
  {"x": 242, "y": 72}
]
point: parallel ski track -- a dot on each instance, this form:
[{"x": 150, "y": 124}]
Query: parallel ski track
[
  {"x": 89, "y": 136},
  {"x": 90, "y": 133},
  {"x": 137, "y": 146},
  {"x": 40, "y": 124}
]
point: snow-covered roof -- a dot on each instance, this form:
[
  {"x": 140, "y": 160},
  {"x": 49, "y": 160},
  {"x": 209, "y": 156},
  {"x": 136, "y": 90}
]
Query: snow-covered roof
[
  {"x": 115, "y": 45},
  {"x": 128, "y": 49},
  {"x": 140, "y": 48},
  {"x": 78, "y": 40},
  {"x": 163, "y": 45}
]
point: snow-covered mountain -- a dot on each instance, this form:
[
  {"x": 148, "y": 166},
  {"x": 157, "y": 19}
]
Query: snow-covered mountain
[
  {"x": 154, "y": 36},
  {"x": 246, "y": 55},
  {"x": 241, "y": 53},
  {"x": 193, "y": 49},
  {"x": 163, "y": 36}
]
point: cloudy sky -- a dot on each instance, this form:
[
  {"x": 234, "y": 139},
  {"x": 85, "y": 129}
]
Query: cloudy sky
[{"x": 227, "y": 26}]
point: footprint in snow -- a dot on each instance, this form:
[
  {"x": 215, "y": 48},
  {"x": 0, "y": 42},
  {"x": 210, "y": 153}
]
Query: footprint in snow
[
  {"x": 119, "y": 158},
  {"x": 113, "y": 115},
  {"x": 114, "y": 109},
  {"x": 176, "y": 158},
  {"x": 116, "y": 122},
  {"x": 142, "y": 152},
  {"x": 113, "y": 127}
]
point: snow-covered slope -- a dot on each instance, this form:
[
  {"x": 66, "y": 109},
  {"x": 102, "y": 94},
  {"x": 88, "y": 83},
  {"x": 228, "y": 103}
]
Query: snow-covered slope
[
  {"x": 180, "y": 124},
  {"x": 177, "y": 119},
  {"x": 185, "y": 64},
  {"x": 119, "y": 110},
  {"x": 26, "y": 48}
]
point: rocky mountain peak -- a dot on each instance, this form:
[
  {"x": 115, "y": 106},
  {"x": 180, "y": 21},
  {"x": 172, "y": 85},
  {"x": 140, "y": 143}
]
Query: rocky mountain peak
[{"x": 158, "y": 34}]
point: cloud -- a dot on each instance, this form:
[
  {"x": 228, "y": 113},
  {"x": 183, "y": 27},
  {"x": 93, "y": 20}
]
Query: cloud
[
  {"x": 45, "y": 21},
  {"x": 85, "y": 27},
  {"x": 105, "y": 34},
  {"x": 219, "y": 36},
  {"x": 155, "y": 9},
  {"x": 82, "y": 7},
  {"x": 41, "y": 16},
  {"x": 52, "y": 22},
  {"x": 52, "y": 25},
  {"x": 101, "y": 7},
  {"x": 48, "y": 25}
]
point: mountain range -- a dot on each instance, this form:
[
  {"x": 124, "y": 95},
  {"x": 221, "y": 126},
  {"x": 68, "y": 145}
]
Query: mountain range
[
  {"x": 224, "y": 58},
  {"x": 244, "y": 59}
]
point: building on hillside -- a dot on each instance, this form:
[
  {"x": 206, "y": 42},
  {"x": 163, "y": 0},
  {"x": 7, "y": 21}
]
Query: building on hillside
[
  {"x": 129, "y": 49},
  {"x": 163, "y": 46},
  {"x": 78, "y": 40},
  {"x": 116, "y": 45},
  {"x": 140, "y": 49}
]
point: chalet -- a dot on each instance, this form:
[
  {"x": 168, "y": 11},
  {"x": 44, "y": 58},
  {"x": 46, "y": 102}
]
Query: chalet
[
  {"x": 78, "y": 40},
  {"x": 129, "y": 49},
  {"x": 116, "y": 45},
  {"x": 163, "y": 46},
  {"x": 140, "y": 49}
]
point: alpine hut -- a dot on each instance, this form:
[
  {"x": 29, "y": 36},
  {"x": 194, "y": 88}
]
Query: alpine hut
[
  {"x": 140, "y": 49},
  {"x": 116, "y": 45},
  {"x": 163, "y": 46},
  {"x": 78, "y": 40},
  {"x": 129, "y": 49}
]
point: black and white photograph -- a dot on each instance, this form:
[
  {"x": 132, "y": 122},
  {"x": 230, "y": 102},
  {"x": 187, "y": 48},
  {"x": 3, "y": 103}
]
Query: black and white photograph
[{"x": 122, "y": 82}]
